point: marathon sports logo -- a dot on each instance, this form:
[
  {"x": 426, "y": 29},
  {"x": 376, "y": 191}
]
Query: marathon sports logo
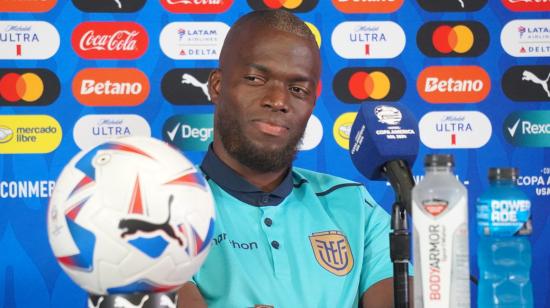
[
  {"x": 527, "y": 5},
  {"x": 312, "y": 135},
  {"x": 110, "y": 40},
  {"x": 26, "y": 134},
  {"x": 455, "y": 129},
  {"x": 28, "y": 87},
  {"x": 359, "y": 84},
  {"x": 93, "y": 129},
  {"x": 112, "y": 6},
  {"x": 341, "y": 130},
  {"x": 452, "y": 39},
  {"x": 367, "y": 6},
  {"x": 452, "y": 5},
  {"x": 526, "y": 38},
  {"x": 186, "y": 86},
  {"x": 453, "y": 84},
  {"x": 295, "y": 6},
  {"x": 368, "y": 40},
  {"x": 110, "y": 87},
  {"x": 193, "y": 40},
  {"x": 196, "y": 6},
  {"x": 192, "y": 132},
  {"x": 27, "y": 6},
  {"x": 527, "y": 83},
  {"x": 528, "y": 128},
  {"x": 25, "y": 40}
]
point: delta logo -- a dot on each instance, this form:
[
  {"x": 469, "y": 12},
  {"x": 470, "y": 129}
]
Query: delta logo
[
  {"x": 28, "y": 40},
  {"x": 452, "y": 5},
  {"x": 527, "y": 83},
  {"x": 368, "y": 40},
  {"x": 295, "y": 6},
  {"x": 110, "y": 6},
  {"x": 27, "y": 6},
  {"x": 109, "y": 40},
  {"x": 359, "y": 84},
  {"x": 527, "y": 5},
  {"x": 193, "y": 40},
  {"x": 526, "y": 38},
  {"x": 110, "y": 87},
  {"x": 28, "y": 87},
  {"x": 367, "y": 6},
  {"x": 455, "y": 129},
  {"x": 186, "y": 86},
  {"x": 453, "y": 84},
  {"x": 452, "y": 39},
  {"x": 196, "y": 6},
  {"x": 28, "y": 134},
  {"x": 191, "y": 132},
  {"x": 528, "y": 128}
]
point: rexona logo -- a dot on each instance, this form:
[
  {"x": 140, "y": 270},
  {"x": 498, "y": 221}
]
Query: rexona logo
[
  {"x": 359, "y": 84},
  {"x": 93, "y": 129},
  {"x": 29, "y": 134},
  {"x": 312, "y": 135},
  {"x": 296, "y": 6},
  {"x": 110, "y": 87},
  {"x": 528, "y": 128},
  {"x": 367, "y": 6},
  {"x": 22, "y": 40},
  {"x": 196, "y": 6},
  {"x": 24, "y": 6},
  {"x": 526, "y": 38},
  {"x": 455, "y": 130},
  {"x": 186, "y": 86},
  {"x": 193, "y": 40},
  {"x": 110, "y": 40},
  {"x": 453, "y": 84},
  {"x": 527, "y": 83},
  {"x": 452, "y": 39},
  {"x": 452, "y": 5},
  {"x": 527, "y": 5},
  {"x": 368, "y": 40},
  {"x": 191, "y": 132},
  {"x": 341, "y": 129},
  {"x": 28, "y": 87},
  {"x": 113, "y": 6}
]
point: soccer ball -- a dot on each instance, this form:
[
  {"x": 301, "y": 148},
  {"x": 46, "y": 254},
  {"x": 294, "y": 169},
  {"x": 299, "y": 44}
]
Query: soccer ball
[{"x": 130, "y": 215}]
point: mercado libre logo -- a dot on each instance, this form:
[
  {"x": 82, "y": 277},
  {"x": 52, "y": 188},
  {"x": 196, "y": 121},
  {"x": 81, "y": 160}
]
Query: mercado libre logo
[
  {"x": 452, "y": 5},
  {"x": 526, "y": 38},
  {"x": 452, "y": 39},
  {"x": 187, "y": 86},
  {"x": 354, "y": 6},
  {"x": 111, "y": 6},
  {"x": 27, "y": 6},
  {"x": 295, "y": 6},
  {"x": 190, "y": 132},
  {"x": 527, "y": 83},
  {"x": 194, "y": 7},
  {"x": 29, "y": 134},
  {"x": 193, "y": 40},
  {"x": 359, "y": 84},
  {"x": 28, "y": 87},
  {"x": 24, "y": 40},
  {"x": 527, "y": 5},
  {"x": 341, "y": 130},
  {"x": 528, "y": 128}
]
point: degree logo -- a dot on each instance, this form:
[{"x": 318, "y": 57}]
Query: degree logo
[
  {"x": 453, "y": 39},
  {"x": 526, "y": 38},
  {"x": 29, "y": 134},
  {"x": 527, "y": 83},
  {"x": 455, "y": 129},
  {"x": 527, "y": 5},
  {"x": 112, "y": 6},
  {"x": 296, "y": 6},
  {"x": 356, "y": 85},
  {"x": 186, "y": 86},
  {"x": 197, "y": 6},
  {"x": 22, "y": 40},
  {"x": 341, "y": 129},
  {"x": 28, "y": 87},
  {"x": 452, "y": 5},
  {"x": 191, "y": 132},
  {"x": 354, "y": 6},
  {"x": 24, "y": 6},
  {"x": 453, "y": 84},
  {"x": 528, "y": 128}
]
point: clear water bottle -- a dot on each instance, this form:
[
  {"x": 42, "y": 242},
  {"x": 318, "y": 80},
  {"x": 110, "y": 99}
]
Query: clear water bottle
[
  {"x": 440, "y": 220},
  {"x": 504, "y": 250}
]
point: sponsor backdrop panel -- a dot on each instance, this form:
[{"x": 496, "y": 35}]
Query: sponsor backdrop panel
[{"x": 75, "y": 73}]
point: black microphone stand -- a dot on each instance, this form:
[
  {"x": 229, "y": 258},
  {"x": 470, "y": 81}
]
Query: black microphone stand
[{"x": 399, "y": 175}]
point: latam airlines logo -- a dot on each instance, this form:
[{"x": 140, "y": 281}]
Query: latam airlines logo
[
  {"x": 527, "y": 83},
  {"x": 453, "y": 84},
  {"x": 192, "y": 132},
  {"x": 22, "y": 40},
  {"x": 452, "y": 5},
  {"x": 27, "y": 6},
  {"x": 193, "y": 40},
  {"x": 186, "y": 86},
  {"x": 110, "y": 87},
  {"x": 29, "y": 134},
  {"x": 28, "y": 87},
  {"x": 113, "y": 6},
  {"x": 452, "y": 39},
  {"x": 455, "y": 130},
  {"x": 196, "y": 6},
  {"x": 526, "y": 38},
  {"x": 368, "y": 40},
  {"x": 296, "y": 6},
  {"x": 110, "y": 40},
  {"x": 356, "y": 85},
  {"x": 527, "y": 5},
  {"x": 366, "y": 6},
  {"x": 528, "y": 128}
]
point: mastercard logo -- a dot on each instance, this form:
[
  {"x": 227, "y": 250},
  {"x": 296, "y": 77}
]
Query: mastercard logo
[
  {"x": 297, "y": 6},
  {"x": 356, "y": 85},
  {"x": 354, "y": 6},
  {"x": 23, "y": 6},
  {"x": 453, "y": 39},
  {"x": 452, "y": 6},
  {"x": 23, "y": 87}
]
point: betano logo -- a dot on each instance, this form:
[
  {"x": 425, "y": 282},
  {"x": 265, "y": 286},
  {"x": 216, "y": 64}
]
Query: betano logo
[
  {"x": 341, "y": 130},
  {"x": 27, "y": 6},
  {"x": 527, "y": 5},
  {"x": 452, "y": 39},
  {"x": 110, "y": 87},
  {"x": 29, "y": 134},
  {"x": 528, "y": 128},
  {"x": 452, "y": 5},
  {"x": 455, "y": 129},
  {"x": 453, "y": 84},
  {"x": 296, "y": 6},
  {"x": 366, "y": 6},
  {"x": 526, "y": 38},
  {"x": 193, "y": 40},
  {"x": 359, "y": 84},
  {"x": 527, "y": 83},
  {"x": 192, "y": 132},
  {"x": 197, "y": 6},
  {"x": 23, "y": 40},
  {"x": 112, "y": 6},
  {"x": 28, "y": 87}
]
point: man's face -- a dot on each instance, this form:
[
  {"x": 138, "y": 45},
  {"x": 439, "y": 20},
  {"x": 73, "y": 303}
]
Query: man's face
[{"x": 265, "y": 95}]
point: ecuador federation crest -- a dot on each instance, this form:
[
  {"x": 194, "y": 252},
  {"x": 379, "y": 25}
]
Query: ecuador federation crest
[{"x": 332, "y": 251}]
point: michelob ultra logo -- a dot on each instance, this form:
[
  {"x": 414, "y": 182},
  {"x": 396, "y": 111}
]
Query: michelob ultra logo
[
  {"x": 526, "y": 38},
  {"x": 196, "y": 6},
  {"x": 455, "y": 129},
  {"x": 452, "y": 5},
  {"x": 27, "y": 6},
  {"x": 341, "y": 130},
  {"x": 28, "y": 87},
  {"x": 354, "y": 6},
  {"x": 528, "y": 128},
  {"x": 296, "y": 6},
  {"x": 312, "y": 135},
  {"x": 193, "y": 40},
  {"x": 22, "y": 40},
  {"x": 29, "y": 134},
  {"x": 527, "y": 5},
  {"x": 453, "y": 84},
  {"x": 452, "y": 39},
  {"x": 110, "y": 87},
  {"x": 527, "y": 83},
  {"x": 192, "y": 132},
  {"x": 112, "y": 6},
  {"x": 359, "y": 84}
]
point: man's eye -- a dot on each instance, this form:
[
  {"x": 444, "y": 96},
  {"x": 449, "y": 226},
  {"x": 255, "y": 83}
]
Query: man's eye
[
  {"x": 298, "y": 90},
  {"x": 253, "y": 78}
]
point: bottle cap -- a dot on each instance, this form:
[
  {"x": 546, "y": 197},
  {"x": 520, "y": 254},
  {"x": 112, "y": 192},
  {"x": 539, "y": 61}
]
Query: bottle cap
[
  {"x": 439, "y": 160},
  {"x": 498, "y": 173}
]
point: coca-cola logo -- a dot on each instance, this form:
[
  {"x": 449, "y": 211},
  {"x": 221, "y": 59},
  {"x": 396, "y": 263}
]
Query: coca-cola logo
[{"x": 110, "y": 40}]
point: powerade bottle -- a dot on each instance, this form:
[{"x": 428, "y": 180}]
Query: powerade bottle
[
  {"x": 440, "y": 220},
  {"x": 504, "y": 250}
]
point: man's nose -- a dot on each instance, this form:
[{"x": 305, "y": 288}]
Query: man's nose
[{"x": 276, "y": 97}]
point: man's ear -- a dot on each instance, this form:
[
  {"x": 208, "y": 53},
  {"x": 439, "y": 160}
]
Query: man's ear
[{"x": 214, "y": 85}]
